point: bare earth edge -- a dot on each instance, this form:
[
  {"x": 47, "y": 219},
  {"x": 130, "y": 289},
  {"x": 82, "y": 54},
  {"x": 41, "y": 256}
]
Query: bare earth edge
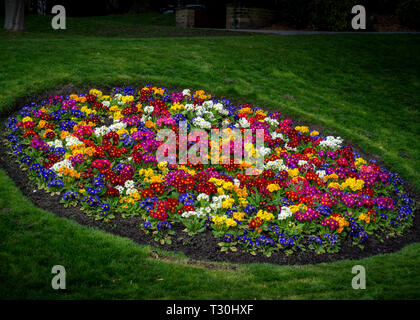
[{"x": 202, "y": 246}]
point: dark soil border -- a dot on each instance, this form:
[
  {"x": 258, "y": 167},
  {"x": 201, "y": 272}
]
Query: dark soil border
[{"x": 202, "y": 246}]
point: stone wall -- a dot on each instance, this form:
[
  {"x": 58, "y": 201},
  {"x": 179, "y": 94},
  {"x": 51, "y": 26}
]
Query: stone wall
[
  {"x": 249, "y": 18},
  {"x": 185, "y": 17}
]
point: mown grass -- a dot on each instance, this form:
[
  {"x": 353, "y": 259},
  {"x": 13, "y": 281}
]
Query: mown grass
[{"x": 362, "y": 87}]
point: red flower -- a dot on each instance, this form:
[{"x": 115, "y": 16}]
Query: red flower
[
  {"x": 112, "y": 192},
  {"x": 158, "y": 187},
  {"x": 147, "y": 193}
]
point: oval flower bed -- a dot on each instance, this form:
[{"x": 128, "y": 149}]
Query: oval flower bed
[{"x": 99, "y": 151}]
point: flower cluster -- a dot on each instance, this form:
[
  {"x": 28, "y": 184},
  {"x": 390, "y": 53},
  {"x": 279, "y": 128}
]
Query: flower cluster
[{"x": 101, "y": 150}]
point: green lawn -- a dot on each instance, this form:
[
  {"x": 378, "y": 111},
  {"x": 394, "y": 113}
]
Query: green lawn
[
  {"x": 133, "y": 26},
  {"x": 362, "y": 87}
]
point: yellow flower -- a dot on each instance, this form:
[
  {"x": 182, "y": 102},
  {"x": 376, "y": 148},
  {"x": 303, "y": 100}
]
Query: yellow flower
[
  {"x": 146, "y": 172},
  {"x": 162, "y": 165},
  {"x": 228, "y": 203},
  {"x": 334, "y": 185},
  {"x": 96, "y": 93},
  {"x": 331, "y": 176},
  {"x": 150, "y": 124},
  {"x": 187, "y": 170},
  {"x": 127, "y": 99},
  {"x": 117, "y": 115},
  {"x": 26, "y": 119},
  {"x": 177, "y": 107},
  {"x": 293, "y": 172},
  {"x": 243, "y": 202},
  {"x": 341, "y": 223},
  {"x": 120, "y": 132},
  {"x": 88, "y": 111},
  {"x": 246, "y": 110},
  {"x": 239, "y": 215},
  {"x": 42, "y": 124},
  {"x": 230, "y": 223},
  {"x": 273, "y": 187},
  {"x": 303, "y": 129},
  {"x": 218, "y": 220},
  {"x": 265, "y": 215},
  {"x": 359, "y": 162},
  {"x": 156, "y": 179},
  {"x": 364, "y": 217},
  {"x": 64, "y": 134},
  {"x": 158, "y": 91},
  {"x": 314, "y": 133},
  {"x": 114, "y": 108},
  {"x": 353, "y": 184},
  {"x": 295, "y": 208},
  {"x": 228, "y": 186},
  {"x": 201, "y": 94}
]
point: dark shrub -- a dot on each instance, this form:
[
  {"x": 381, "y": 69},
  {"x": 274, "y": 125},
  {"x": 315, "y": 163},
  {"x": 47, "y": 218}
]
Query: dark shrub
[
  {"x": 294, "y": 12},
  {"x": 332, "y": 15},
  {"x": 408, "y": 12}
]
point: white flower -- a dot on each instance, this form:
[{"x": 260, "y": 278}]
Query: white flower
[
  {"x": 289, "y": 149},
  {"x": 186, "y": 92},
  {"x": 302, "y": 162},
  {"x": 145, "y": 118},
  {"x": 55, "y": 144},
  {"x": 106, "y": 103},
  {"x": 148, "y": 109},
  {"x": 200, "y": 109},
  {"x": 285, "y": 213},
  {"x": 321, "y": 173},
  {"x": 130, "y": 191},
  {"x": 101, "y": 131},
  {"x": 264, "y": 151},
  {"x": 209, "y": 114},
  {"x": 129, "y": 184},
  {"x": 189, "y": 107},
  {"x": 208, "y": 104},
  {"x": 203, "y": 196},
  {"x": 331, "y": 142},
  {"x": 72, "y": 141},
  {"x": 188, "y": 214},
  {"x": 243, "y": 122},
  {"x": 60, "y": 165},
  {"x": 215, "y": 206},
  {"x": 272, "y": 122},
  {"x": 276, "y": 165},
  {"x": 220, "y": 108},
  {"x": 200, "y": 122},
  {"x": 117, "y": 126},
  {"x": 225, "y": 123},
  {"x": 275, "y": 135}
]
